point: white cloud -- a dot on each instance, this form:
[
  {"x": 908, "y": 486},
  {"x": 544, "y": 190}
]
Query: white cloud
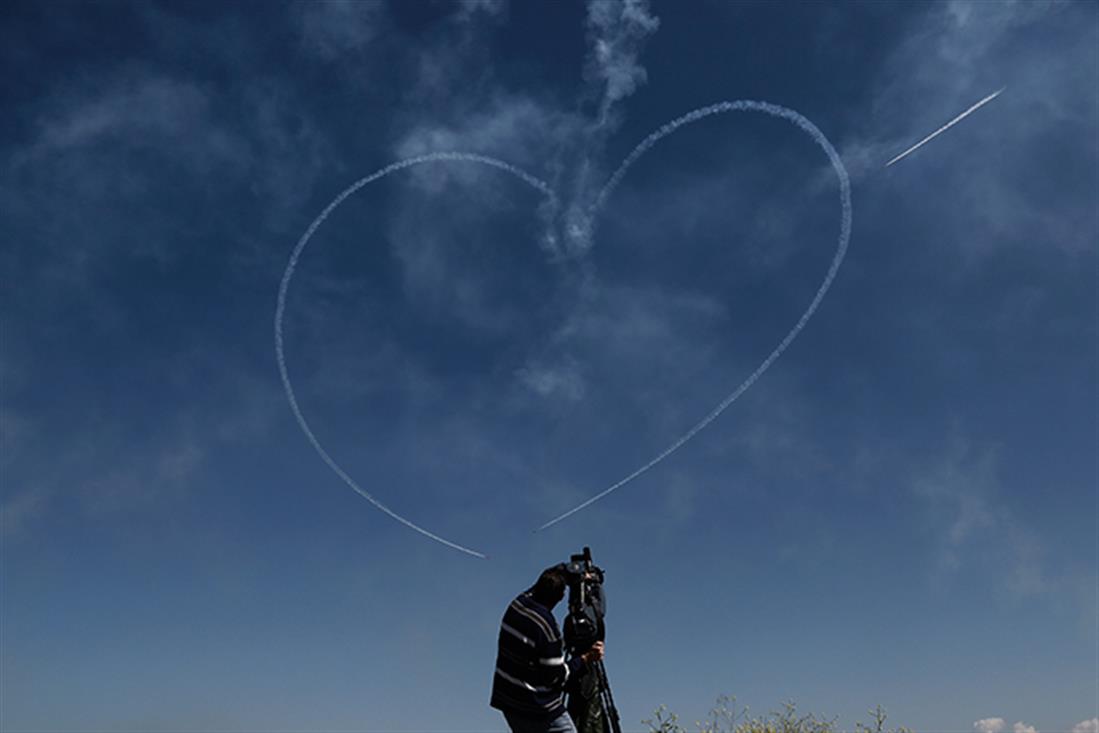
[
  {"x": 179, "y": 462},
  {"x": 104, "y": 476},
  {"x": 19, "y": 512},
  {"x": 287, "y": 152},
  {"x": 517, "y": 128},
  {"x": 553, "y": 381},
  {"x": 617, "y": 30},
  {"x": 777, "y": 437},
  {"x": 134, "y": 110},
  {"x": 88, "y": 186},
  {"x": 446, "y": 113},
  {"x": 438, "y": 276},
  {"x": 154, "y": 105},
  {"x": 1087, "y": 726},
  {"x": 469, "y": 9},
  {"x": 335, "y": 28},
  {"x": 962, "y": 490},
  {"x": 77, "y": 184},
  {"x": 1021, "y": 727},
  {"x": 111, "y": 470},
  {"x": 137, "y": 481},
  {"x": 989, "y": 725},
  {"x": 681, "y": 495},
  {"x": 16, "y": 429},
  {"x": 650, "y": 347}
]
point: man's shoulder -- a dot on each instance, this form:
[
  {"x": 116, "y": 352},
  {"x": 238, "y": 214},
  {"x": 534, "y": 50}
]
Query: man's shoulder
[
  {"x": 525, "y": 605},
  {"x": 527, "y": 600}
]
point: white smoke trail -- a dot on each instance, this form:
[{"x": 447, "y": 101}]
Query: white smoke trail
[
  {"x": 617, "y": 30},
  {"x": 280, "y": 311},
  {"x": 947, "y": 126},
  {"x": 841, "y": 249},
  {"x": 616, "y": 33}
]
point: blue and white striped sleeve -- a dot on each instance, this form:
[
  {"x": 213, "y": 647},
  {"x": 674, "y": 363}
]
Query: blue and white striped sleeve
[{"x": 556, "y": 669}]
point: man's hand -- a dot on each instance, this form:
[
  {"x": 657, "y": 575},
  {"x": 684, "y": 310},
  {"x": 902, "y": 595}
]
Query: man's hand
[{"x": 594, "y": 654}]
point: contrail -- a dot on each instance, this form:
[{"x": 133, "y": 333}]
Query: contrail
[
  {"x": 280, "y": 310},
  {"x": 948, "y": 125},
  {"x": 844, "y": 236}
]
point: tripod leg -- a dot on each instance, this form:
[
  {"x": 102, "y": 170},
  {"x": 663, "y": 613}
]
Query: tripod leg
[
  {"x": 586, "y": 704},
  {"x": 610, "y": 713}
]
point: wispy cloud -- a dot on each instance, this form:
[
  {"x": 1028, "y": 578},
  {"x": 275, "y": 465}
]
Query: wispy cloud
[
  {"x": 440, "y": 111},
  {"x": 101, "y": 478},
  {"x": 964, "y": 490},
  {"x": 561, "y": 381},
  {"x": 470, "y": 9},
  {"x": 1087, "y": 726},
  {"x": 617, "y": 31},
  {"x": 136, "y": 109},
  {"x": 516, "y": 127},
  {"x": 333, "y": 29},
  {"x": 106, "y": 466},
  {"x": 989, "y": 725},
  {"x": 125, "y": 144},
  {"x": 78, "y": 127},
  {"x": 19, "y": 512}
]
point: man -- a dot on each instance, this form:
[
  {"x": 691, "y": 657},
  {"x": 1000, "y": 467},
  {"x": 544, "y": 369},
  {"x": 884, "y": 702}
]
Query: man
[{"x": 531, "y": 671}]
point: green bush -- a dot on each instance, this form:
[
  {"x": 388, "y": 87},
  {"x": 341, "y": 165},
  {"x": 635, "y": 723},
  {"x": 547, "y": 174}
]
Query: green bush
[{"x": 725, "y": 718}]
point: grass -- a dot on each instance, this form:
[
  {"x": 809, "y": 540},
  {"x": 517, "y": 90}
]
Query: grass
[{"x": 725, "y": 718}]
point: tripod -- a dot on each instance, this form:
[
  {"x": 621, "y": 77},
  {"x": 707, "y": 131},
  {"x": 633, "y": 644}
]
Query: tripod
[
  {"x": 610, "y": 712},
  {"x": 588, "y": 692},
  {"x": 583, "y": 627}
]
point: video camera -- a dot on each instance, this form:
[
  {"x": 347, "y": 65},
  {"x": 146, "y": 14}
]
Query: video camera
[{"x": 587, "y": 604}]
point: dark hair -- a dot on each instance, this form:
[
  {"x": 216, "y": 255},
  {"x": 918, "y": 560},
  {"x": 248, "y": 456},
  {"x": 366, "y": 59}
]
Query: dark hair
[{"x": 550, "y": 587}]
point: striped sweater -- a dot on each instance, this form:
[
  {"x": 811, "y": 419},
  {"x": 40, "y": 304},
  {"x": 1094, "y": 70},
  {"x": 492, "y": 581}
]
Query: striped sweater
[{"x": 530, "y": 664}]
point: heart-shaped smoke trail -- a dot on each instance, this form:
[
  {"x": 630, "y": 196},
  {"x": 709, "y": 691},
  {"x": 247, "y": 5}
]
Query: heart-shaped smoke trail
[
  {"x": 592, "y": 217},
  {"x": 616, "y": 33}
]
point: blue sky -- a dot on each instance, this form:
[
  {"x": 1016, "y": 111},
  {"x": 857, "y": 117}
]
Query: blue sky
[{"x": 901, "y": 511}]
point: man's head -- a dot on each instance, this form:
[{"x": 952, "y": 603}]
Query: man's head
[{"x": 550, "y": 588}]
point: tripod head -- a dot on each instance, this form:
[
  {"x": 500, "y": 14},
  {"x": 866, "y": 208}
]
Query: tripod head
[{"x": 587, "y": 604}]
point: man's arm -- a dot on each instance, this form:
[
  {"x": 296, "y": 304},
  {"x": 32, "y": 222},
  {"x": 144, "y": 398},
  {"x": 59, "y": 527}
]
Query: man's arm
[
  {"x": 560, "y": 671},
  {"x": 555, "y": 670}
]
